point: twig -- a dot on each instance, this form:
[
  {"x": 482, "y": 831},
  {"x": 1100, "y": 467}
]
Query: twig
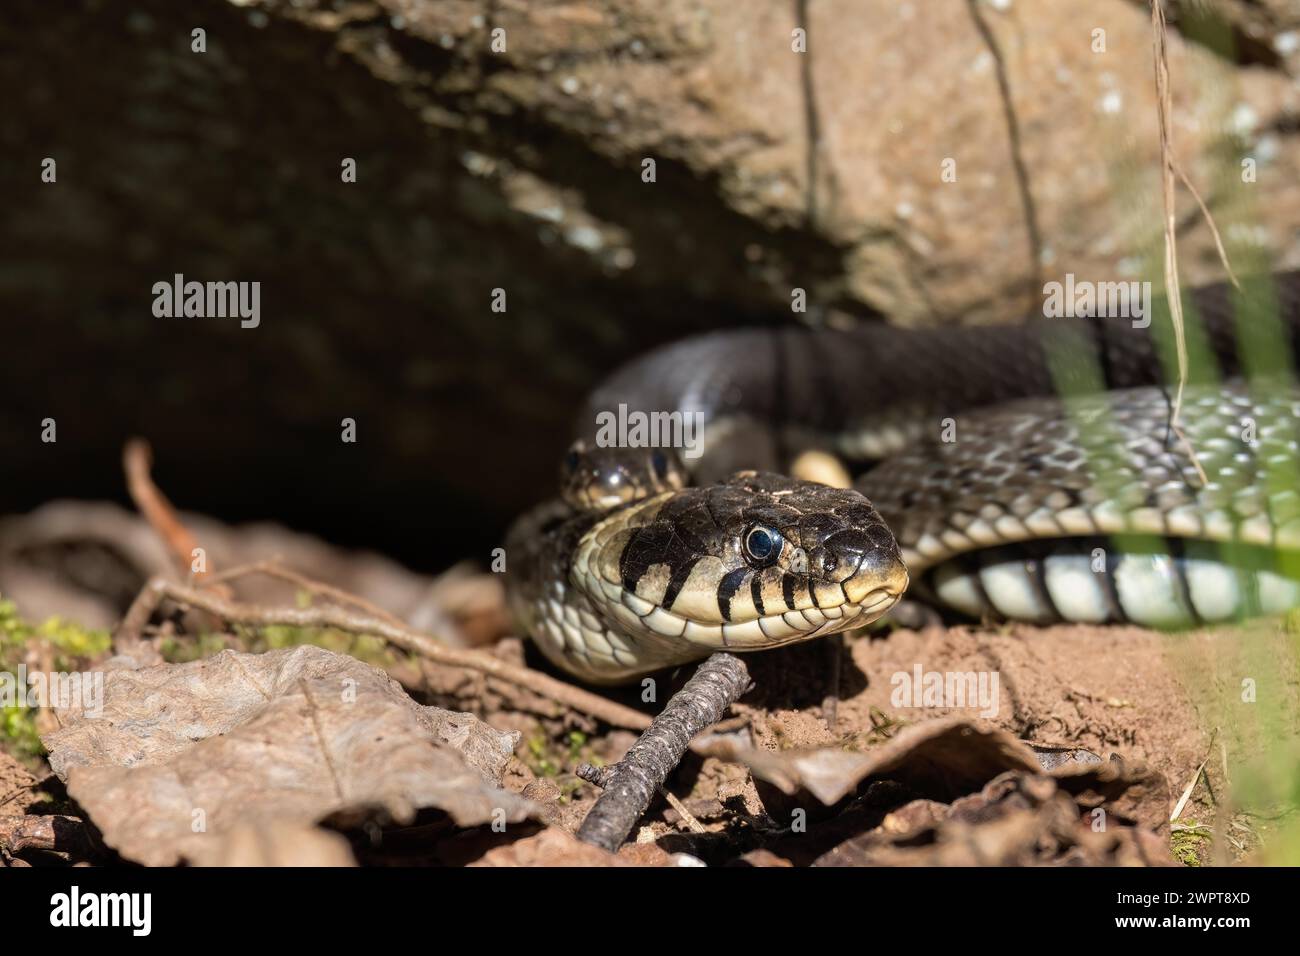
[
  {"x": 601, "y": 777},
  {"x": 128, "y": 635},
  {"x": 694, "y": 825},
  {"x": 273, "y": 569},
  {"x": 408, "y": 640},
  {"x": 630, "y": 783},
  {"x": 137, "y": 459},
  {"x": 598, "y": 776}
]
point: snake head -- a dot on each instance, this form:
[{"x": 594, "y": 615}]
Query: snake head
[
  {"x": 755, "y": 561},
  {"x": 599, "y": 478}
]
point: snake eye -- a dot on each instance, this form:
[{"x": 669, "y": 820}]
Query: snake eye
[
  {"x": 659, "y": 461},
  {"x": 762, "y": 545}
]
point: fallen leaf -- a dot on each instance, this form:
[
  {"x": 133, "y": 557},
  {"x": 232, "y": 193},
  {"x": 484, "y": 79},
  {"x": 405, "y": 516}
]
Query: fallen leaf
[
  {"x": 1017, "y": 819},
  {"x": 1128, "y": 789},
  {"x": 184, "y": 757},
  {"x": 942, "y": 759}
]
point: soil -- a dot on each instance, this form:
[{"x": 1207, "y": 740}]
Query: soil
[{"x": 1168, "y": 701}]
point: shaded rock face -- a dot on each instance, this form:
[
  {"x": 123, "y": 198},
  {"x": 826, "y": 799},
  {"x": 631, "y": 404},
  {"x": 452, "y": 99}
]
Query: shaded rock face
[{"x": 521, "y": 169}]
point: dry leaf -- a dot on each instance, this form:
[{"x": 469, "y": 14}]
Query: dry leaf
[
  {"x": 183, "y": 754},
  {"x": 942, "y": 759},
  {"x": 1019, "y": 819}
]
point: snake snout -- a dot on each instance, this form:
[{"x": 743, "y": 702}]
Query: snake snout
[
  {"x": 879, "y": 579},
  {"x": 876, "y": 582}
]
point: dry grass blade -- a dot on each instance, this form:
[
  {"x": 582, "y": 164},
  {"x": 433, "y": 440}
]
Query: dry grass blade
[
  {"x": 1164, "y": 110},
  {"x": 1169, "y": 168},
  {"x": 1191, "y": 784},
  {"x": 692, "y": 824}
]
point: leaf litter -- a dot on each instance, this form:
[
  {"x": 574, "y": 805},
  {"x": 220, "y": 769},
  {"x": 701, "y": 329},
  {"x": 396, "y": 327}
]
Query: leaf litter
[{"x": 186, "y": 759}]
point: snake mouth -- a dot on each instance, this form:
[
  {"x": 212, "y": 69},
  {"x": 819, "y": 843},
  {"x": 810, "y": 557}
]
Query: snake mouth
[
  {"x": 866, "y": 595},
  {"x": 878, "y": 602}
]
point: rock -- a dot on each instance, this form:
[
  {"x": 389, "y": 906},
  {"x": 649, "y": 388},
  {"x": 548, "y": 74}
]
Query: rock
[{"x": 521, "y": 170}]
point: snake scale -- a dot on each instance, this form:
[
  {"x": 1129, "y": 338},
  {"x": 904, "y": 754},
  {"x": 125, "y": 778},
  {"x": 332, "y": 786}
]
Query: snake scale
[{"x": 1024, "y": 472}]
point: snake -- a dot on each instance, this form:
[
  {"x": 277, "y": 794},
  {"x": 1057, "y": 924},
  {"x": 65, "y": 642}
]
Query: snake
[{"x": 1044, "y": 471}]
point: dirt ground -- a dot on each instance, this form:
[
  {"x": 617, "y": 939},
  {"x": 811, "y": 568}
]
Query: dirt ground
[{"x": 1179, "y": 704}]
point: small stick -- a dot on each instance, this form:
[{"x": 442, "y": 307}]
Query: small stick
[
  {"x": 630, "y": 783},
  {"x": 273, "y": 569},
  {"x": 128, "y": 635},
  {"x": 137, "y": 459},
  {"x": 692, "y": 824},
  {"x": 601, "y": 777},
  {"x": 341, "y": 619},
  {"x": 597, "y": 776}
]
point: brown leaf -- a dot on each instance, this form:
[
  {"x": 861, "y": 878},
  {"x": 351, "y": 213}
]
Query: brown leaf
[
  {"x": 1128, "y": 789},
  {"x": 942, "y": 759},
  {"x": 1017, "y": 819},
  {"x": 183, "y": 755}
]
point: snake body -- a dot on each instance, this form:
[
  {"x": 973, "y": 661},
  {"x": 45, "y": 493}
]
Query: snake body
[{"x": 1006, "y": 500}]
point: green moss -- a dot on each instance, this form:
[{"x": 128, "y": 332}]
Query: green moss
[
  {"x": 1191, "y": 845},
  {"x": 177, "y": 650},
  {"x": 372, "y": 650},
  {"x": 18, "y": 732},
  {"x": 555, "y": 759},
  {"x": 73, "y": 648},
  {"x": 71, "y": 642},
  {"x": 540, "y": 757}
]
